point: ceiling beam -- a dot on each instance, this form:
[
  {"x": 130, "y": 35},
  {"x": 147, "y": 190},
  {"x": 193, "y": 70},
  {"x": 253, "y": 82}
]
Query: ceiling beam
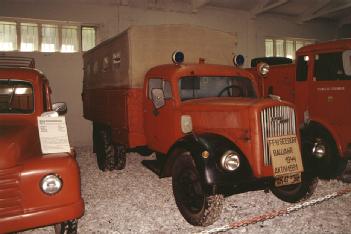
[
  {"x": 322, "y": 10},
  {"x": 266, "y": 5},
  {"x": 197, "y": 4},
  {"x": 345, "y": 20}
]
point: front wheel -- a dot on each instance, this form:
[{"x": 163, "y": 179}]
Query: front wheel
[
  {"x": 320, "y": 149},
  {"x": 296, "y": 192},
  {"x": 195, "y": 205},
  {"x": 67, "y": 227}
]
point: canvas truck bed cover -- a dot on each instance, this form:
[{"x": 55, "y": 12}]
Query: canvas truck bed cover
[{"x": 122, "y": 61}]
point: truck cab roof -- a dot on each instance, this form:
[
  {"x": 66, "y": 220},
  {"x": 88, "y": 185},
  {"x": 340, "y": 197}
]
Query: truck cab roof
[
  {"x": 326, "y": 46},
  {"x": 167, "y": 71},
  {"x": 22, "y": 73}
]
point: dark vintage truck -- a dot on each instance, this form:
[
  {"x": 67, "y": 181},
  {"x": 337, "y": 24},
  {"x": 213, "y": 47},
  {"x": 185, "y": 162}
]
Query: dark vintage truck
[
  {"x": 209, "y": 126},
  {"x": 36, "y": 189}
]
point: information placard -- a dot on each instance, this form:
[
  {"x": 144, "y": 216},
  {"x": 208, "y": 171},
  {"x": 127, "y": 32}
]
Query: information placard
[
  {"x": 53, "y": 135},
  {"x": 286, "y": 159}
]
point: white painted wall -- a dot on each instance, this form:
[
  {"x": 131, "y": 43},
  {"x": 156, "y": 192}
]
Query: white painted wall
[{"x": 65, "y": 70}]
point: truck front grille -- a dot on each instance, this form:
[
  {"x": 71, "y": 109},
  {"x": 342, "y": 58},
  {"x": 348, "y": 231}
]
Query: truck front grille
[
  {"x": 10, "y": 195},
  {"x": 276, "y": 121}
]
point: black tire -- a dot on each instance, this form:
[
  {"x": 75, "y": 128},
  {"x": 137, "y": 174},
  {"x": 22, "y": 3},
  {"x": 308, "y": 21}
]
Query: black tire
[
  {"x": 296, "y": 192},
  {"x": 120, "y": 157},
  {"x": 197, "y": 207},
  {"x": 327, "y": 165},
  {"x": 104, "y": 150},
  {"x": 68, "y": 227}
]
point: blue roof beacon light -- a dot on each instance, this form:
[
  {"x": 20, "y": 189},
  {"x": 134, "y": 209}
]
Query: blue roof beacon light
[
  {"x": 177, "y": 57},
  {"x": 238, "y": 60}
]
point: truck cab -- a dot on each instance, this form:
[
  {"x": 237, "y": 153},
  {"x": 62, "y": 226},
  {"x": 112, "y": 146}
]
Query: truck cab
[{"x": 36, "y": 189}]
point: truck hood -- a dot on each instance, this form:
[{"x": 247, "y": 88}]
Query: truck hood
[
  {"x": 217, "y": 114},
  {"x": 17, "y": 142},
  {"x": 225, "y": 113}
]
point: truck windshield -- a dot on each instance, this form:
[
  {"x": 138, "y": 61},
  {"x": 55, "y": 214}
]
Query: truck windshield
[
  {"x": 195, "y": 87},
  {"x": 16, "y": 97}
]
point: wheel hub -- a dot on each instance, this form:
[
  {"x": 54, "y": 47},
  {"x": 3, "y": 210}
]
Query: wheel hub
[{"x": 319, "y": 149}]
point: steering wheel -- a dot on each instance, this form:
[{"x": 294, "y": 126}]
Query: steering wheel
[{"x": 240, "y": 89}]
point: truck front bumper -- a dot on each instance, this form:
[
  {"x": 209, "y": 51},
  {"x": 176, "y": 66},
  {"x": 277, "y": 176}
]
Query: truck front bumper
[{"x": 41, "y": 217}]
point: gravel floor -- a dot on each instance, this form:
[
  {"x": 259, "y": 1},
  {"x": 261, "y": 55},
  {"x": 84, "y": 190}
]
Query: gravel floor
[{"x": 135, "y": 200}]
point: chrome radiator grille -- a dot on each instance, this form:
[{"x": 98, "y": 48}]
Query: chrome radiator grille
[{"x": 276, "y": 121}]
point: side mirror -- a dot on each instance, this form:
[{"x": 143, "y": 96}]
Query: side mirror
[
  {"x": 158, "y": 98},
  {"x": 60, "y": 108}
]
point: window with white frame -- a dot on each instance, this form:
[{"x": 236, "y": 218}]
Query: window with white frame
[
  {"x": 284, "y": 47},
  {"x": 8, "y": 36},
  {"x": 46, "y": 36},
  {"x": 29, "y": 37},
  {"x": 69, "y": 39},
  {"x": 88, "y": 38},
  {"x": 49, "y": 38}
]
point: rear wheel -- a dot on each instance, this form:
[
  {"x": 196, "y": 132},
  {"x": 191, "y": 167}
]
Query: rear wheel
[
  {"x": 120, "y": 156},
  {"x": 296, "y": 192},
  {"x": 195, "y": 205},
  {"x": 67, "y": 227},
  {"x": 104, "y": 149}
]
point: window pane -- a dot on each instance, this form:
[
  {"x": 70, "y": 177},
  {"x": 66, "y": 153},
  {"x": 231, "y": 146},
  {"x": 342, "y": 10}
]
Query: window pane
[
  {"x": 88, "y": 38},
  {"x": 69, "y": 39},
  {"x": 329, "y": 67},
  {"x": 29, "y": 37},
  {"x": 269, "y": 47},
  {"x": 49, "y": 35},
  {"x": 279, "y": 47},
  {"x": 289, "y": 46},
  {"x": 302, "y": 68},
  {"x": 8, "y": 36}
]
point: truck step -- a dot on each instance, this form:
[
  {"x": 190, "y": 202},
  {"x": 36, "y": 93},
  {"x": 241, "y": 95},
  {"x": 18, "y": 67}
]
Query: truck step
[{"x": 153, "y": 165}]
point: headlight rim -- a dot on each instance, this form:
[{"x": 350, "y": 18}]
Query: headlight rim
[
  {"x": 224, "y": 158},
  {"x": 42, "y": 181}
]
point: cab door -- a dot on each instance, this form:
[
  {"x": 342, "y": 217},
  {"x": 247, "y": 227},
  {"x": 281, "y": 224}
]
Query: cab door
[
  {"x": 301, "y": 95},
  {"x": 330, "y": 90},
  {"x": 159, "y": 121}
]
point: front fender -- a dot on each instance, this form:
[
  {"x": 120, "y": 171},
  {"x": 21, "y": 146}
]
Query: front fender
[{"x": 209, "y": 168}]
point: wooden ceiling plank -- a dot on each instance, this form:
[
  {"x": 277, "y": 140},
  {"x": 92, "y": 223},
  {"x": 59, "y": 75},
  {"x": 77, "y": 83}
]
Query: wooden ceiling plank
[
  {"x": 266, "y": 5},
  {"x": 322, "y": 11}
]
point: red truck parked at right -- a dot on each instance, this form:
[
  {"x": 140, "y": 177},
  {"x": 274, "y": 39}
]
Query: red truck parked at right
[{"x": 319, "y": 84}]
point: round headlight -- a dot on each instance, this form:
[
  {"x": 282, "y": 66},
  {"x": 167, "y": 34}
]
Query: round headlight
[
  {"x": 230, "y": 160},
  {"x": 51, "y": 184},
  {"x": 263, "y": 68}
]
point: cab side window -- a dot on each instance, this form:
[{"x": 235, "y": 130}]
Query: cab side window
[
  {"x": 302, "y": 68},
  {"x": 157, "y": 83},
  {"x": 329, "y": 66}
]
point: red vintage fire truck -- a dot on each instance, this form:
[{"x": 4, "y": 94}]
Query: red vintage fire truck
[
  {"x": 207, "y": 123},
  {"x": 36, "y": 189},
  {"x": 319, "y": 84}
]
